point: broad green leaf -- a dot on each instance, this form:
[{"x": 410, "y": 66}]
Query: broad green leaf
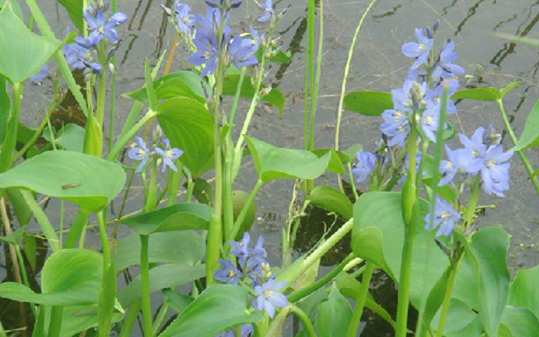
[
  {"x": 461, "y": 321},
  {"x": 524, "y": 291},
  {"x": 74, "y": 9},
  {"x": 368, "y": 103},
  {"x": 230, "y": 84},
  {"x": 70, "y": 277},
  {"x": 481, "y": 94},
  {"x": 352, "y": 152},
  {"x": 378, "y": 236},
  {"x": 466, "y": 288},
  {"x": 276, "y": 163},
  {"x": 23, "y": 53},
  {"x": 332, "y": 200},
  {"x": 509, "y": 88},
  {"x": 75, "y": 177},
  {"x": 487, "y": 253},
  {"x": 177, "y": 217},
  {"x": 182, "y": 248},
  {"x": 530, "y": 135},
  {"x": 5, "y": 112},
  {"x": 161, "y": 277},
  {"x": 177, "y": 301},
  {"x": 218, "y": 308},
  {"x": 182, "y": 83},
  {"x": 336, "y": 161},
  {"x": 435, "y": 299},
  {"x": 78, "y": 319},
  {"x": 71, "y": 138},
  {"x": 188, "y": 125},
  {"x": 333, "y": 316},
  {"x": 521, "y": 321}
]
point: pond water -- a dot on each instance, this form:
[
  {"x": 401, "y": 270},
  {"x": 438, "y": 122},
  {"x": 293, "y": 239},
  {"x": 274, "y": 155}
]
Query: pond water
[{"x": 378, "y": 65}]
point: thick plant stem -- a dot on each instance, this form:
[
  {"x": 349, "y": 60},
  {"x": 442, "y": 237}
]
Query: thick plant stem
[
  {"x": 316, "y": 88},
  {"x": 119, "y": 145},
  {"x": 447, "y": 297},
  {"x": 360, "y": 300},
  {"x": 104, "y": 239},
  {"x": 309, "y": 71},
  {"x": 55, "y": 324},
  {"x": 11, "y": 136},
  {"x": 521, "y": 153},
  {"x": 305, "y": 320},
  {"x": 130, "y": 319},
  {"x": 145, "y": 287},
  {"x": 101, "y": 97}
]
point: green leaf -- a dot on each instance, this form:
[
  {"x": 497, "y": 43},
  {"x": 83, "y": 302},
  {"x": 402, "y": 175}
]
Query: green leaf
[
  {"x": 177, "y": 301},
  {"x": 218, "y": 308},
  {"x": 378, "y": 236},
  {"x": 75, "y": 177},
  {"x": 487, "y": 254},
  {"x": 23, "y": 53},
  {"x": 521, "y": 321},
  {"x": 332, "y": 200},
  {"x": 368, "y": 103},
  {"x": 179, "y": 84},
  {"x": 530, "y": 135},
  {"x": 509, "y": 88},
  {"x": 181, "y": 216},
  {"x": 435, "y": 299},
  {"x": 461, "y": 321},
  {"x": 78, "y": 319},
  {"x": 5, "y": 112},
  {"x": 162, "y": 277},
  {"x": 230, "y": 84},
  {"x": 352, "y": 152},
  {"x": 276, "y": 163},
  {"x": 183, "y": 248},
  {"x": 481, "y": 94},
  {"x": 71, "y": 138},
  {"x": 524, "y": 291},
  {"x": 188, "y": 125},
  {"x": 333, "y": 315},
  {"x": 70, "y": 277},
  {"x": 74, "y": 10},
  {"x": 107, "y": 298}
]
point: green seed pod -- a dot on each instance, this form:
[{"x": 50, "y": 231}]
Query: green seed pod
[{"x": 239, "y": 198}]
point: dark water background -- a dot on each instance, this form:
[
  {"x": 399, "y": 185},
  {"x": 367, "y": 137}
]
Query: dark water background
[{"x": 378, "y": 65}]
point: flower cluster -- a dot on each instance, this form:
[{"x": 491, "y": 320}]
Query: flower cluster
[
  {"x": 445, "y": 218},
  {"x": 366, "y": 163},
  {"x": 418, "y": 98},
  {"x": 140, "y": 152},
  {"x": 253, "y": 269}
]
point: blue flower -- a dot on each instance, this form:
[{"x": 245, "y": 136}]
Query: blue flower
[
  {"x": 100, "y": 27},
  {"x": 429, "y": 122},
  {"x": 241, "y": 249},
  {"x": 250, "y": 259},
  {"x": 267, "y": 8},
  {"x": 419, "y": 50},
  {"x": 41, "y": 75},
  {"x": 242, "y": 52},
  {"x": 461, "y": 160},
  {"x": 207, "y": 53},
  {"x": 475, "y": 144},
  {"x": 168, "y": 155},
  {"x": 434, "y": 96},
  {"x": 140, "y": 153},
  {"x": 445, "y": 218},
  {"x": 396, "y": 126},
  {"x": 444, "y": 67},
  {"x": 224, "y": 4},
  {"x": 495, "y": 171},
  {"x": 185, "y": 20},
  {"x": 490, "y": 137},
  {"x": 268, "y": 297},
  {"x": 366, "y": 162},
  {"x": 229, "y": 273}
]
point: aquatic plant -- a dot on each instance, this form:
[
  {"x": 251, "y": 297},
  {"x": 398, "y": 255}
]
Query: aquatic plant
[{"x": 414, "y": 217}]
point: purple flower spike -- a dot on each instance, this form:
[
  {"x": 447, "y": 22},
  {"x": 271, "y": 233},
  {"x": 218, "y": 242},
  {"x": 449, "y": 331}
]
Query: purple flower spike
[
  {"x": 268, "y": 297},
  {"x": 186, "y": 21},
  {"x": 445, "y": 67},
  {"x": 168, "y": 155},
  {"x": 419, "y": 50},
  {"x": 242, "y": 52},
  {"x": 224, "y": 4},
  {"x": 100, "y": 27},
  {"x": 229, "y": 273},
  {"x": 207, "y": 54},
  {"x": 396, "y": 126},
  {"x": 429, "y": 122},
  {"x": 475, "y": 144},
  {"x": 140, "y": 153},
  {"x": 267, "y": 8},
  {"x": 366, "y": 162},
  {"x": 495, "y": 172},
  {"x": 445, "y": 218},
  {"x": 459, "y": 161}
]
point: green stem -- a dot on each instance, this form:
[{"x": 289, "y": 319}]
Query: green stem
[
  {"x": 104, "y": 239},
  {"x": 190, "y": 189},
  {"x": 112, "y": 111},
  {"x": 305, "y": 320},
  {"x": 360, "y": 301},
  {"x": 101, "y": 90},
  {"x": 174, "y": 183},
  {"x": 161, "y": 316},
  {"x": 245, "y": 209},
  {"x": 447, "y": 298},
  {"x": 304, "y": 292},
  {"x": 237, "y": 96},
  {"x": 521, "y": 153},
  {"x": 8, "y": 148},
  {"x": 316, "y": 88},
  {"x": 119, "y": 145},
  {"x": 472, "y": 203},
  {"x": 55, "y": 324},
  {"x": 352, "y": 181},
  {"x": 130, "y": 319},
  {"x": 309, "y": 71},
  {"x": 76, "y": 228},
  {"x": 145, "y": 287}
]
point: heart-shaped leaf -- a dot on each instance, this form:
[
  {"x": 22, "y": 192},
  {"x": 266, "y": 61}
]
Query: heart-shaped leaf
[
  {"x": 71, "y": 138},
  {"x": 218, "y": 308},
  {"x": 182, "y": 83},
  {"x": 368, "y": 103},
  {"x": 23, "y": 53},
  {"x": 182, "y": 248},
  {"x": 461, "y": 321},
  {"x": 82, "y": 179},
  {"x": 521, "y": 321},
  {"x": 74, "y": 9},
  {"x": 334, "y": 315},
  {"x": 524, "y": 291},
  {"x": 177, "y": 217},
  {"x": 70, "y": 277},
  {"x": 188, "y": 125},
  {"x": 530, "y": 135},
  {"x": 333, "y": 200},
  {"x": 276, "y": 163}
]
